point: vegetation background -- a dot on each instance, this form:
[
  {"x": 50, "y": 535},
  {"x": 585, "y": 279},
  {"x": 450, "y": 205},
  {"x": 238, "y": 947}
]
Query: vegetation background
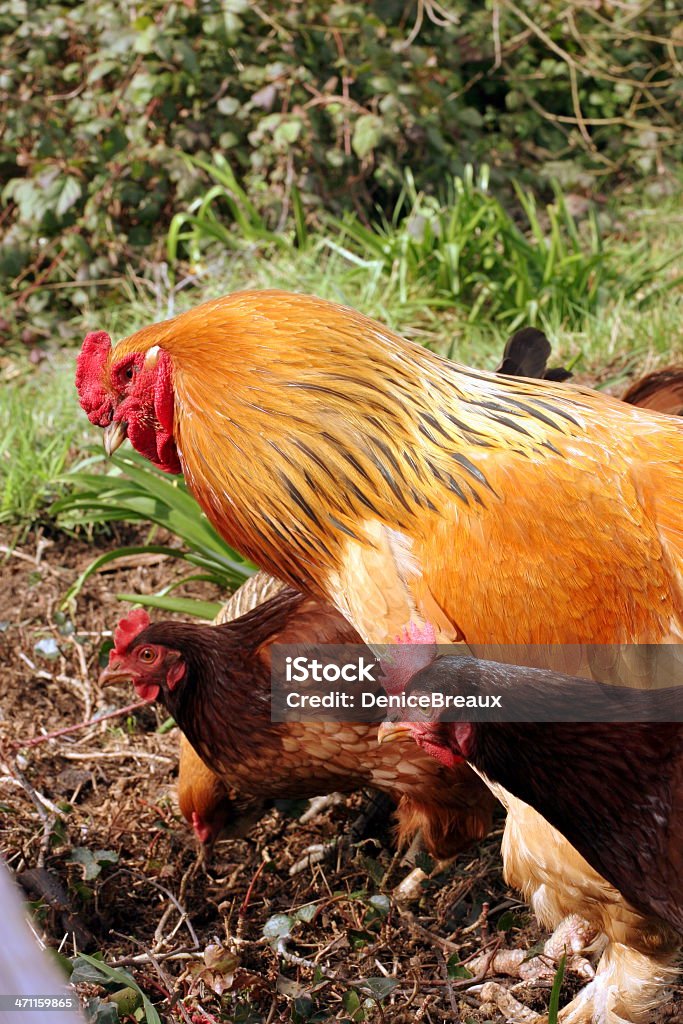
[{"x": 117, "y": 116}]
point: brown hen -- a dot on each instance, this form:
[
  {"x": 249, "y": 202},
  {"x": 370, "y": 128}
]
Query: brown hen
[{"x": 222, "y": 704}]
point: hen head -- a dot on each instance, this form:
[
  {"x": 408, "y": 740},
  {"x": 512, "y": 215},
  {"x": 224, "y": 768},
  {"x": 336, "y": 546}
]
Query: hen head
[
  {"x": 154, "y": 669},
  {"x": 130, "y": 396},
  {"x": 416, "y": 650}
]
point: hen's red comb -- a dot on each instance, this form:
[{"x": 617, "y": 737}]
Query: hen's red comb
[
  {"x": 128, "y": 629},
  {"x": 92, "y": 359},
  {"x": 417, "y": 650},
  {"x": 414, "y": 634}
]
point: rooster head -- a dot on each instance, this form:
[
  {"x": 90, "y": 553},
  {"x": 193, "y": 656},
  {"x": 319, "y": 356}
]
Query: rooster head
[
  {"x": 131, "y": 396},
  {"x": 153, "y": 668}
]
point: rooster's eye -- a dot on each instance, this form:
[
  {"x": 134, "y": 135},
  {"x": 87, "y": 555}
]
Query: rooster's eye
[
  {"x": 126, "y": 373},
  {"x": 146, "y": 655}
]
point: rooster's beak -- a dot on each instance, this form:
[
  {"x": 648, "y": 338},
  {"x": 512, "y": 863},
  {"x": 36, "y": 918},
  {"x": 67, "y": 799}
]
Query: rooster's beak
[
  {"x": 390, "y": 732},
  {"x": 114, "y": 436}
]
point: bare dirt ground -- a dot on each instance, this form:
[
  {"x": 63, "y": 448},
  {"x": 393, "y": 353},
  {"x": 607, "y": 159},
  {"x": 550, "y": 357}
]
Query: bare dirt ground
[{"x": 91, "y": 827}]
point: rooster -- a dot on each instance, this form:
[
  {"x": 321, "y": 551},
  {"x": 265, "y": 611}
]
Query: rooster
[
  {"x": 215, "y": 681},
  {"x": 405, "y": 489}
]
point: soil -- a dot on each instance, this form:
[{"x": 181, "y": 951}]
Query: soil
[{"x": 91, "y": 827}]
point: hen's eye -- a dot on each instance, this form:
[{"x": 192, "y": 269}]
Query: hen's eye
[
  {"x": 146, "y": 655},
  {"x": 129, "y": 373}
]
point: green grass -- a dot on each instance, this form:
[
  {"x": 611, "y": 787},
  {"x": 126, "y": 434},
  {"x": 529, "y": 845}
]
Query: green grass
[
  {"x": 132, "y": 490},
  {"x": 40, "y": 433},
  {"x": 457, "y": 275}
]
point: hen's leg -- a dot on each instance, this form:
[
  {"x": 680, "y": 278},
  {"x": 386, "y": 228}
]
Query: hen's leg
[
  {"x": 627, "y": 987},
  {"x": 571, "y": 938}
]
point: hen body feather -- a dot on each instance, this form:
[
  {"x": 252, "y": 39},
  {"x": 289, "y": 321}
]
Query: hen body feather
[{"x": 236, "y": 755}]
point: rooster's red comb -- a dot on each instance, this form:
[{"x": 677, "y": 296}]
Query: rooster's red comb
[
  {"x": 92, "y": 359},
  {"x": 128, "y": 629}
]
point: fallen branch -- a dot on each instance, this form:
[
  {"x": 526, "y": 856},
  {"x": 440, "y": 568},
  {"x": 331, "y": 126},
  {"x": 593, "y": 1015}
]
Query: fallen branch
[{"x": 37, "y": 740}]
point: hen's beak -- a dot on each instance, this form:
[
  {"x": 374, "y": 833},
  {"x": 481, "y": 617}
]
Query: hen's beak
[
  {"x": 114, "y": 673},
  {"x": 114, "y": 436},
  {"x": 390, "y": 732}
]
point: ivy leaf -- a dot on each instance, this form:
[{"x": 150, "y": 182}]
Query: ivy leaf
[
  {"x": 381, "y": 903},
  {"x": 47, "y": 648},
  {"x": 455, "y": 969},
  {"x": 368, "y": 132},
  {"x": 287, "y": 131},
  {"x": 351, "y": 1003},
  {"x": 277, "y": 927},
  {"x": 100, "y": 1012},
  {"x": 306, "y": 913},
  {"x": 380, "y": 987},
  {"x": 92, "y": 860}
]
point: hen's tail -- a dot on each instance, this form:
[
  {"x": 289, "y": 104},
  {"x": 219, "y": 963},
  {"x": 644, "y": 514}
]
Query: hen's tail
[
  {"x": 661, "y": 391},
  {"x": 526, "y": 354}
]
